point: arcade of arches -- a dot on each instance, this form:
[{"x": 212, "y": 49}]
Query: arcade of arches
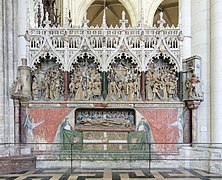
[{"x": 96, "y": 72}]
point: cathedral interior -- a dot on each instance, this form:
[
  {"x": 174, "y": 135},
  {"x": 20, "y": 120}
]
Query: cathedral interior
[{"x": 110, "y": 84}]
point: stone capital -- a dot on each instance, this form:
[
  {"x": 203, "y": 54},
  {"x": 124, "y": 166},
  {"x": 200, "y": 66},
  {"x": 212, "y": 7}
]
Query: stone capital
[{"x": 193, "y": 104}]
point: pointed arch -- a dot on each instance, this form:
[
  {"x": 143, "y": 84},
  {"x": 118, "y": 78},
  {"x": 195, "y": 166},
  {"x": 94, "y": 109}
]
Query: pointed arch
[
  {"x": 85, "y": 42},
  {"x": 51, "y": 51},
  {"x": 128, "y": 4},
  {"x": 149, "y": 15},
  {"x": 123, "y": 42}
]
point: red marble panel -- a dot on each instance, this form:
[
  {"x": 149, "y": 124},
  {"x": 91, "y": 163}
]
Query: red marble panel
[
  {"x": 159, "y": 120},
  {"x": 52, "y": 117}
]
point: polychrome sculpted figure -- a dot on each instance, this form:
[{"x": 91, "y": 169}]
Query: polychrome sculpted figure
[
  {"x": 156, "y": 90},
  {"x": 96, "y": 87},
  {"x": 35, "y": 89},
  {"x": 79, "y": 92},
  {"x": 18, "y": 86},
  {"x": 130, "y": 91},
  {"x": 194, "y": 91},
  {"x": 163, "y": 87},
  {"x": 136, "y": 89},
  {"x": 171, "y": 89},
  {"x": 72, "y": 88},
  {"x": 57, "y": 89},
  {"x": 119, "y": 93},
  {"x": 149, "y": 94},
  {"x": 46, "y": 87},
  {"x": 89, "y": 90},
  {"x": 51, "y": 89}
]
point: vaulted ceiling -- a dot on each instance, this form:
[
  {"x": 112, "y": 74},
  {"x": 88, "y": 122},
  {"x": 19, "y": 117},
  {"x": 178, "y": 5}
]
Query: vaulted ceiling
[
  {"x": 170, "y": 11},
  {"x": 113, "y": 10}
]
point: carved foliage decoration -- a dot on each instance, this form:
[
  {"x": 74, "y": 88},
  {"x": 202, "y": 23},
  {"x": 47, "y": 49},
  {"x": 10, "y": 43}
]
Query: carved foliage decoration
[
  {"x": 123, "y": 79},
  {"x": 47, "y": 80},
  {"x": 161, "y": 80},
  {"x": 85, "y": 83}
]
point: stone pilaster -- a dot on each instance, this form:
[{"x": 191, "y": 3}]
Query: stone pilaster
[
  {"x": 216, "y": 71},
  {"x": 201, "y": 46},
  {"x": 8, "y": 65},
  {"x": 22, "y": 24},
  {"x": 17, "y": 125},
  {"x": 2, "y": 107},
  {"x": 17, "y": 138},
  {"x": 185, "y": 12}
]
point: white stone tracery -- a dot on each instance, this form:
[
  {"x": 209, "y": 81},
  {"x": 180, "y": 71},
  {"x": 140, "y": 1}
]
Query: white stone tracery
[{"x": 104, "y": 43}]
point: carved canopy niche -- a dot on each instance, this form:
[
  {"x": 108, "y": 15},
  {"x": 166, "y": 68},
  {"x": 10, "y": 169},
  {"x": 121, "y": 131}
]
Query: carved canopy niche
[
  {"x": 47, "y": 80},
  {"x": 123, "y": 79},
  {"x": 85, "y": 79},
  {"x": 161, "y": 79}
]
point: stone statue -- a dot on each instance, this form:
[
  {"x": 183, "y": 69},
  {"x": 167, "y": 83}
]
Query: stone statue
[
  {"x": 163, "y": 87},
  {"x": 136, "y": 90},
  {"x": 96, "y": 87},
  {"x": 111, "y": 86},
  {"x": 119, "y": 92},
  {"x": 79, "y": 91},
  {"x": 35, "y": 89},
  {"x": 46, "y": 87},
  {"x": 17, "y": 87},
  {"x": 149, "y": 94},
  {"x": 156, "y": 90},
  {"x": 57, "y": 89},
  {"x": 193, "y": 86},
  {"x": 72, "y": 88},
  {"x": 130, "y": 91}
]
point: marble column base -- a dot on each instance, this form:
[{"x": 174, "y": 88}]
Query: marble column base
[{"x": 201, "y": 157}]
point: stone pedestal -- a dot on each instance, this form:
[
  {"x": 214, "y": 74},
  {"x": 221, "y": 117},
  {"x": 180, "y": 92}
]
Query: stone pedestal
[
  {"x": 215, "y": 164},
  {"x": 17, "y": 164},
  {"x": 194, "y": 158}
]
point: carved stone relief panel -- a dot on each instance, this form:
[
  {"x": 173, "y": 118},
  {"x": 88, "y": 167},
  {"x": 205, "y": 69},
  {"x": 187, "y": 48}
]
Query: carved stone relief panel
[
  {"x": 123, "y": 80},
  {"x": 161, "y": 80},
  {"x": 47, "y": 81},
  {"x": 109, "y": 119},
  {"x": 85, "y": 80}
]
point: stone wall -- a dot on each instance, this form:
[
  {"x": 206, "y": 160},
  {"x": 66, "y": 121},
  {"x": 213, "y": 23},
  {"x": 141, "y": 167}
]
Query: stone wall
[
  {"x": 8, "y": 62},
  {"x": 17, "y": 164},
  {"x": 2, "y": 129},
  {"x": 201, "y": 47}
]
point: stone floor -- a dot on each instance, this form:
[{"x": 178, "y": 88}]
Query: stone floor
[{"x": 111, "y": 174}]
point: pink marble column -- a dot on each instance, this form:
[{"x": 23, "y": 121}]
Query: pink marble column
[
  {"x": 66, "y": 84},
  {"x": 143, "y": 85}
]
